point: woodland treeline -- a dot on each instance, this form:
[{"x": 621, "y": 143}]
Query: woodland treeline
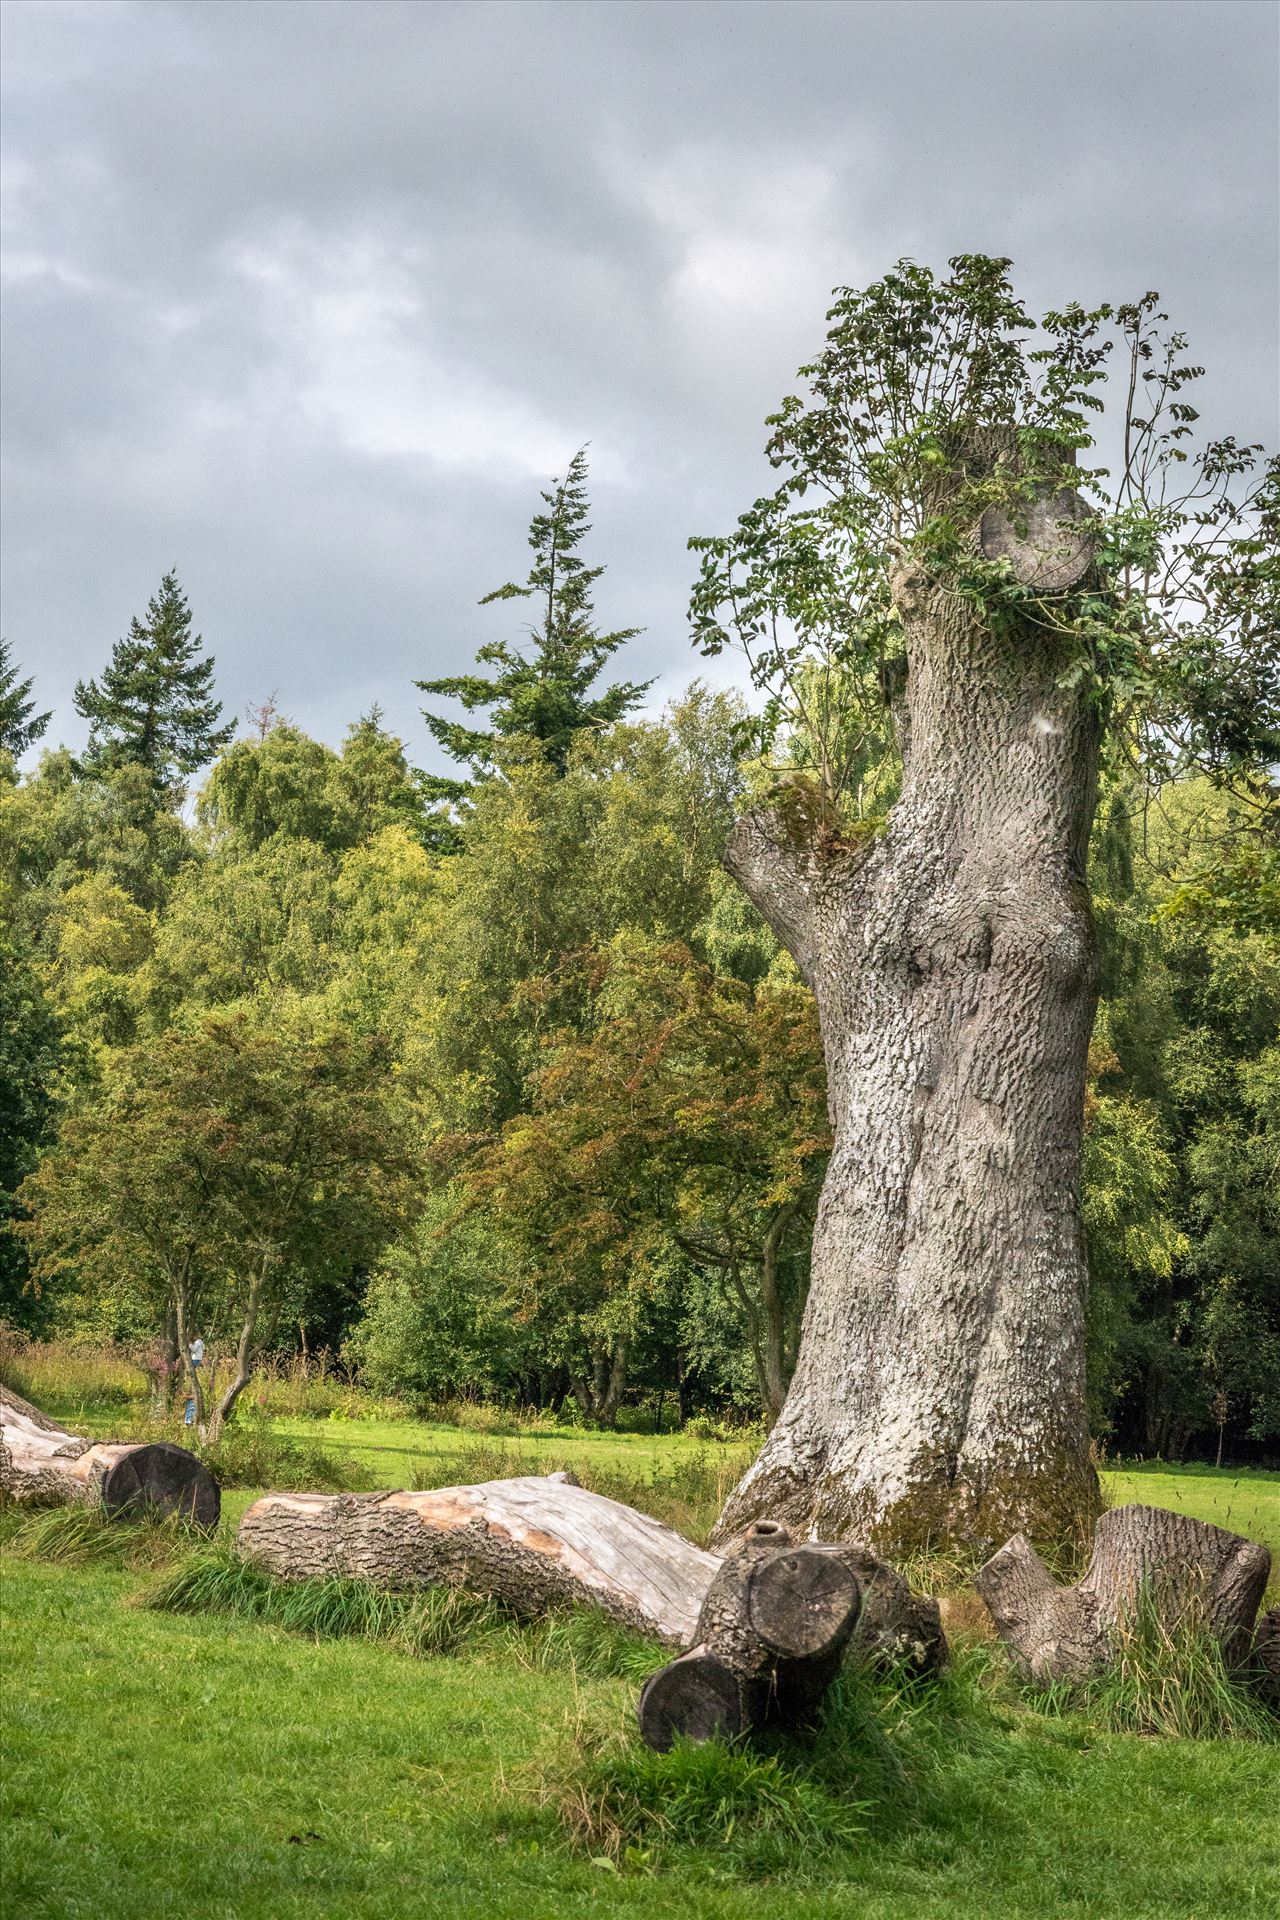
[{"x": 495, "y": 1085}]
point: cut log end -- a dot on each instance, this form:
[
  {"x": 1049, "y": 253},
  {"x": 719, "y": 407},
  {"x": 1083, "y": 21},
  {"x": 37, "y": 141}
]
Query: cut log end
[
  {"x": 802, "y": 1602},
  {"x": 161, "y": 1479},
  {"x": 696, "y": 1697}
]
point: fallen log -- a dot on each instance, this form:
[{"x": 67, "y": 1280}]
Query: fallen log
[
  {"x": 533, "y": 1543},
  {"x": 1189, "y": 1571},
  {"x": 41, "y": 1465},
  {"x": 770, "y": 1637},
  {"x": 776, "y": 1625},
  {"x": 539, "y": 1543}
]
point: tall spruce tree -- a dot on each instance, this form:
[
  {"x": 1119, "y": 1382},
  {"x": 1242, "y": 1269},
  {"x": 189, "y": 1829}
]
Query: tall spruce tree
[
  {"x": 20, "y": 724},
  {"x": 545, "y": 695},
  {"x": 154, "y": 705}
]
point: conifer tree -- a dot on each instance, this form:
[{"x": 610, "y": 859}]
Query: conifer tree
[
  {"x": 154, "y": 704},
  {"x": 545, "y": 695},
  {"x": 20, "y": 724}
]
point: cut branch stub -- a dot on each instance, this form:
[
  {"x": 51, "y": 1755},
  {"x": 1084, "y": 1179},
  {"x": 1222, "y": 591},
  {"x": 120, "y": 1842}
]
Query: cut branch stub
[
  {"x": 41, "y": 1465},
  {"x": 1048, "y": 542},
  {"x": 1188, "y": 1570}
]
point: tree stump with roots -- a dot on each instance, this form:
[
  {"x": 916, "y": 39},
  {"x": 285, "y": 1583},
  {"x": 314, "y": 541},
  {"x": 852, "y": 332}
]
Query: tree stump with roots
[
  {"x": 1191, "y": 1573},
  {"x": 41, "y": 1465}
]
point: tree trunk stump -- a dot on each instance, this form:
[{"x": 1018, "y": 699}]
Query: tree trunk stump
[
  {"x": 1190, "y": 1570},
  {"x": 773, "y": 1632},
  {"x": 939, "y": 1390},
  {"x": 1264, "y": 1665},
  {"x": 41, "y": 1465}
]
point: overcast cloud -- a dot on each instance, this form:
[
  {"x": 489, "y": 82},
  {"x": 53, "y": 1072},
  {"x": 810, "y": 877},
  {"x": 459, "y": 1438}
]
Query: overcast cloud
[{"x": 308, "y": 300}]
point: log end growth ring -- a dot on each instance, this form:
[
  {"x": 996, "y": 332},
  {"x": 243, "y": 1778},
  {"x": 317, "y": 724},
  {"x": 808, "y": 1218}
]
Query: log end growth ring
[
  {"x": 696, "y": 1697},
  {"x": 164, "y": 1479},
  {"x": 802, "y": 1603},
  {"x": 1048, "y": 543}
]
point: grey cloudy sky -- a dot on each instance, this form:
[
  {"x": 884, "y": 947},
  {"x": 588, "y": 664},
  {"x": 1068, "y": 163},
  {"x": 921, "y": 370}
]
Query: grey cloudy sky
[{"x": 308, "y": 299}]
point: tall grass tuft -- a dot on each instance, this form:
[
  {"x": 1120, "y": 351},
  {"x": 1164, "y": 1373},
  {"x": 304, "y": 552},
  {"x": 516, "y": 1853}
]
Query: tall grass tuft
[
  {"x": 84, "y": 1537},
  {"x": 433, "y": 1622},
  {"x": 758, "y": 1812},
  {"x": 1168, "y": 1677},
  {"x": 890, "y": 1751}
]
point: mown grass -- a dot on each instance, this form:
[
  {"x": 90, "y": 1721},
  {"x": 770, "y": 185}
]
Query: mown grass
[
  {"x": 247, "y": 1762},
  {"x": 184, "y": 1734}
]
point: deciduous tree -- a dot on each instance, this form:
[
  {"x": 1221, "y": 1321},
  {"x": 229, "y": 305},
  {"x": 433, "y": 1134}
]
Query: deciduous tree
[{"x": 935, "y": 539}]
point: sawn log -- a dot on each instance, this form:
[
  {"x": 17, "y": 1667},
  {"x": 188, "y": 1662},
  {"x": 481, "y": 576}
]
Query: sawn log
[
  {"x": 42, "y": 1465},
  {"x": 534, "y": 1543}
]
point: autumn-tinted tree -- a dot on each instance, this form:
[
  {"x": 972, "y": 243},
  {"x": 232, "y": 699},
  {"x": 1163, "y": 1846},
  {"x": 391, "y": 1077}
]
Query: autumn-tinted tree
[{"x": 687, "y": 1116}]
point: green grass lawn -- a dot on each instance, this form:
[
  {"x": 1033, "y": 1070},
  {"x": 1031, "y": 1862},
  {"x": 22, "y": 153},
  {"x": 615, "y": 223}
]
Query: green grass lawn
[{"x": 158, "y": 1764}]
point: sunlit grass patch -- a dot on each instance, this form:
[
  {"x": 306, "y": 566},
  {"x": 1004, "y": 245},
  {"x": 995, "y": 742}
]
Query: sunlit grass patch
[{"x": 428, "y": 1622}]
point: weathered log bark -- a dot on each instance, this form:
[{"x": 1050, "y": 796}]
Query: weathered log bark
[
  {"x": 939, "y": 1389},
  {"x": 769, "y": 1640},
  {"x": 532, "y": 1543},
  {"x": 773, "y": 1632},
  {"x": 1191, "y": 1571},
  {"x": 536, "y": 1544},
  {"x": 1264, "y": 1663},
  {"x": 43, "y": 1466}
]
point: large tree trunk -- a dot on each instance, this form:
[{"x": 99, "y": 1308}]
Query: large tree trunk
[
  {"x": 40, "y": 1465},
  {"x": 939, "y": 1389},
  {"x": 1188, "y": 1571}
]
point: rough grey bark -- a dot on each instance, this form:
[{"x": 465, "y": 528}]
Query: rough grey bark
[
  {"x": 1264, "y": 1664},
  {"x": 939, "y": 1388},
  {"x": 778, "y": 1621},
  {"x": 532, "y": 1543},
  {"x": 41, "y": 1465},
  {"x": 1189, "y": 1570}
]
